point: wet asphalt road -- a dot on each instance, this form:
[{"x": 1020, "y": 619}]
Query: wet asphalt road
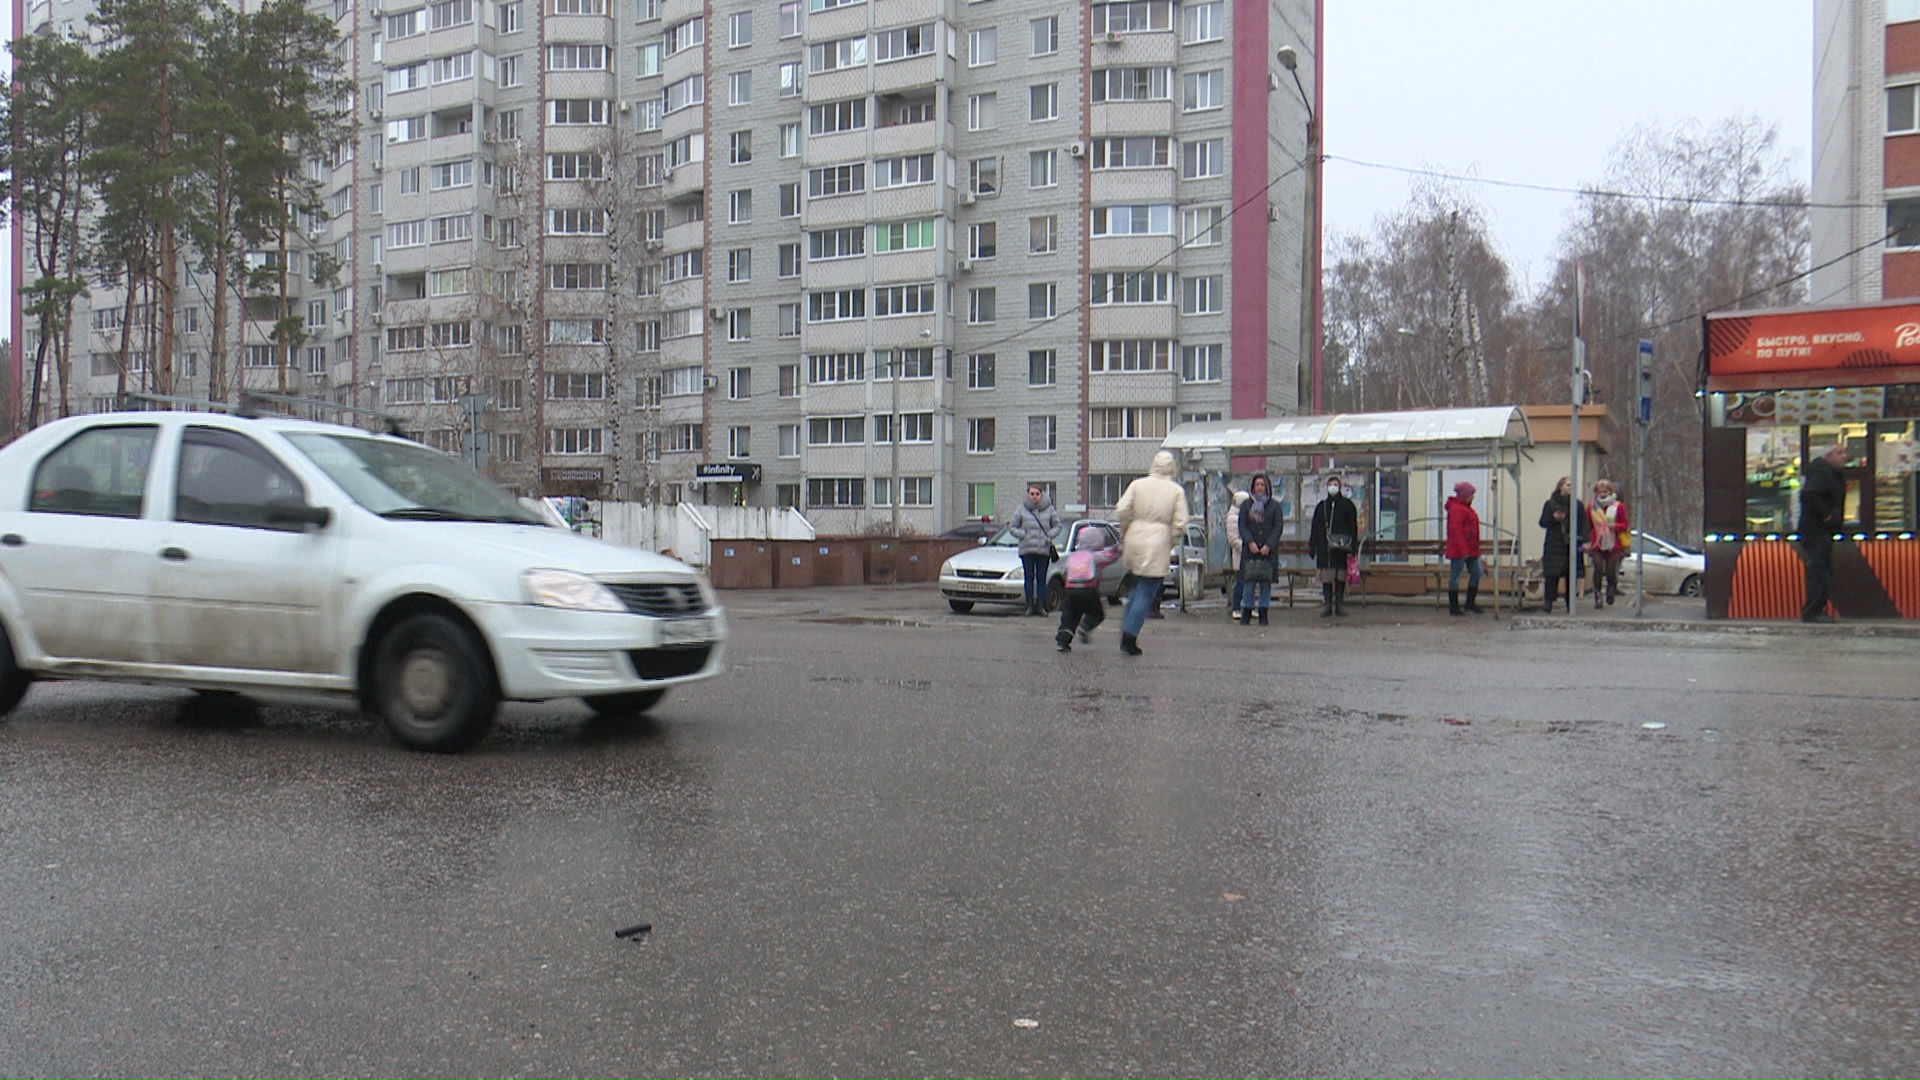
[{"x": 1392, "y": 846}]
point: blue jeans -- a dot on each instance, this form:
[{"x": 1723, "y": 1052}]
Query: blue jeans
[
  {"x": 1035, "y": 567},
  {"x": 1239, "y": 588},
  {"x": 1453, "y": 573},
  {"x": 1257, "y": 595},
  {"x": 1141, "y": 601}
]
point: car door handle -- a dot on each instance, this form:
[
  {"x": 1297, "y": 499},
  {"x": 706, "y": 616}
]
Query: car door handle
[
  {"x": 174, "y": 554},
  {"x": 13, "y": 540}
]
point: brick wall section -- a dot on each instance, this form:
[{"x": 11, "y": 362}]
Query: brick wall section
[
  {"x": 1903, "y": 48},
  {"x": 1900, "y": 274},
  {"x": 1903, "y": 161}
]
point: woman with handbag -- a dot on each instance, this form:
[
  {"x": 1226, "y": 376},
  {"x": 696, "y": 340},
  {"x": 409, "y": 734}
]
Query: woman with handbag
[
  {"x": 1035, "y": 524},
  {"x": 1260, "y": 527},
  {"x": 1333, "y": 538}
]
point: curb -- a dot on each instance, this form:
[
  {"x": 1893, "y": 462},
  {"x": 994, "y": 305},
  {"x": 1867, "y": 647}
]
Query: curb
[{"x": 1719, "y": 626}]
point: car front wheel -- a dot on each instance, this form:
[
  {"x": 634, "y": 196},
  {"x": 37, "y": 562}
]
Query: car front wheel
[
  {"x": 433, "y": 686},
  {"x": 1056, "y": 594},
  {"x": 632, "y": 703},
  {"x": 13, "y": 681},
  {"x": 1691, "y": 586},
  {"x": 960, "y": 607}
]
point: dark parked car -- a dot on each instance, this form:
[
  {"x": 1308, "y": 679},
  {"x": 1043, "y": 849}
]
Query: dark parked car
[{"x": 971, "y": 530}]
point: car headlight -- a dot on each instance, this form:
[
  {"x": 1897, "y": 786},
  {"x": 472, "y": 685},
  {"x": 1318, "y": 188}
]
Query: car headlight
[
  {"x": 946, "y": 568},
  {"x": 707, "y": 596},
  {"x": 565, "y": 589},
  {"x": 1018, "y": 573}
]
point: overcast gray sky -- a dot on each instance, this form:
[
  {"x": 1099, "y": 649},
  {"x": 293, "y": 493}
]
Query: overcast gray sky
[{"x": 1539, "y": 91}]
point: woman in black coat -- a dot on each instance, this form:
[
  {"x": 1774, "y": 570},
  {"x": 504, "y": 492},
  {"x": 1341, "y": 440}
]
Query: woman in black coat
[
  {"x": 1260, "y": 527},
  {"x": 1560, "y": 510},
  {"x": 1333, "y": 538}
]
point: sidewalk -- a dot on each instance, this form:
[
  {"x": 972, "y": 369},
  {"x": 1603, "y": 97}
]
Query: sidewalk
[{"x": 921, "y": 605}]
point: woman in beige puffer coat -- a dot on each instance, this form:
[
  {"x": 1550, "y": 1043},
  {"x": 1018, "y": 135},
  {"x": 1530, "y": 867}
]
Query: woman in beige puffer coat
[{"x": 1152, "y": 512}]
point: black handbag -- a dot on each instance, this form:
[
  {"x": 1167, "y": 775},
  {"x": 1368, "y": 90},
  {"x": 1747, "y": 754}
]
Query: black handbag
[
  {"x": 1339, "y": 543},
  {"x": 1258, "y": 569}
]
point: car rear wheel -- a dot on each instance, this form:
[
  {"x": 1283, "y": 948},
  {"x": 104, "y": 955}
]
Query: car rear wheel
[
  {"x": 1056, "y": 594},
  {"x": 1691, "y": 586},
  {"x": 632, "y": 703},
  {"x": 433, "y": 686},
  {"x": 960, "y": 607},
  {"x": 13, "y": 681}
]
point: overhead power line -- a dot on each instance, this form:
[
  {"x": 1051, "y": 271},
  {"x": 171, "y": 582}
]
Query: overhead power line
[{"x": 1604, "y": 193}]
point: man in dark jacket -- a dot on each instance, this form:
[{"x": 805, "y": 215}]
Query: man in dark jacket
[{"x": 1823, "y": 500}]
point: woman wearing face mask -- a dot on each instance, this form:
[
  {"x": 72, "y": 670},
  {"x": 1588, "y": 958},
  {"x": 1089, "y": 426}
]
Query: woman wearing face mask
[
  {"x": 1561, "y": 513},
  {"x": 1333, "y": 538},
  {"x": 1609, "y": 534},
  {"x": 1260, "y": 525}
]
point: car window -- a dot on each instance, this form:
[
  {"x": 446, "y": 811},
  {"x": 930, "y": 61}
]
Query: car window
[
  {"x": 399, "y": 479},
  {"x": 226, "y": 478},
  {"x": 100, "y": 472}
]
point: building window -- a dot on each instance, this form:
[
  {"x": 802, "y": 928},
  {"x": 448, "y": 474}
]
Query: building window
[
  {"x": 789, "y": 440},
  {"x": 685, "y": 438},
  {"x": 1043, "y": 234},
  {"x": 1155, "y": 219},
  {"x": 1128, "y": 422},
  {"x": 836, "y": 493},
  {"x": 1042, "y": 300},
  {"x": 980, "y": 435},
  {"x": 1204, "y": 295},
  {"x": 1043, "y": 102},
  {"x": 836, "y": 431},
  {"x": 1043, "y": 434},
  {"x": 1200, "y": 22},
  {"x": 739, "y": 29},
  {"x": 1130, "y": 287},
  {"x": 1105, "y": 489},
  {"x": 740, "y": 264},
  {"x": 903, "y": 171},
  {"x": 790, "y": 200},
  {"x": 789, "y": 140},
  {"x": 983, "y": 177},
  {"x": 740, "y": 148},
  {"x": 836, "y": 305},
  {"x": 980, "y": 306},
  {"x": 1200, "y": 226},
  {"x": 789, "y": 261},
  {"x": 1200, "y": 363},
  {"x": 1041, "y": 367},
  {"x": 832, "y": 117},
  {"x": 1130, "y": 354},
  {"x": 890, "y": 300},
  {"x": 1133, "y": 17},
  {"x": 982, "y": 46},
  {"x": 739, "y": 207},
  {"x": 1903, "y": 109},
  {"x": 1201, "y": 159},
  {"x": 906, "y": 363},
  {"x": 740, "y": 324},
  {"x": 789, "y": 320},
  {"x": 827, "y": 368},
  {"x": 903, "y": 236},
  {"x": 983, "y": 240},
  {"x": 1046, "y": 35},
  {"x": 1043, "y": 168},
  {"x": 1200, "y": 91},
  {"x": 790, "y": 79},
  {"x": 1130, "y": 152},
  {"x": 903, "y": 43},
  {"x": 576, "y": 386},
  {"x": 575, "y": 440},
  {"x": 1132, "y": 84},
  {"x": 980, "y": 371},
  {"x": 838, "y": 55},
  {"x": 739, "y": 383},
  {"x": 739, "y": 442},
  {"x": 980, "y": 500},
  {"x": 980, "y": 110},
  {"x": 790, "y": 18},
  {"x": 789, "y": 380}
]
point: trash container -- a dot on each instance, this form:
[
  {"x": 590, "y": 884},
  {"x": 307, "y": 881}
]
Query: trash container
[
  {"x": 793, "y": 564},
  {"x": 839, "y": 561},
  {"x": 740, "y": 564},
  {"x": 881, "y": 557}
]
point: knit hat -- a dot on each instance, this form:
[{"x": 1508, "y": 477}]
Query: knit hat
[{"x": 1463, "y": 489}]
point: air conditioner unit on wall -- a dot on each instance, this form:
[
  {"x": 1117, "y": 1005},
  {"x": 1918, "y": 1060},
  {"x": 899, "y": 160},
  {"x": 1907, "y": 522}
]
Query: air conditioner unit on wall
[
  {"x": 379, "y": 166},
  {"x": 968, "y": 198},
  {"x": 966, "y": 266},
  {"x": 1112, "y": 38},
  {"x": 1076, "y": 149}
]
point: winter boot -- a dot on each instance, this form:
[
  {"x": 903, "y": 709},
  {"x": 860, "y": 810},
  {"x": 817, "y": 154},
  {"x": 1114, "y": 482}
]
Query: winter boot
[
  {"x": 1326, "y": 601},
  {"x": 1453, "y": 602},
  {"x": 1246, "y": 616},
  {"x": 1473, "y": 594},
  {"x": 1263, "y": 616},
  {"x": 1063, "y": 641},
  {"x": 1552, "y": 593},
  {"x": 1340, "y": 599},
  {"x": 1130, "y": 645}
]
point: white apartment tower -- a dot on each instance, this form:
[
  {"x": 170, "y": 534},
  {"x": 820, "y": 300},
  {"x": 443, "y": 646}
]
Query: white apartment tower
[{"x": 882, "y": 260}]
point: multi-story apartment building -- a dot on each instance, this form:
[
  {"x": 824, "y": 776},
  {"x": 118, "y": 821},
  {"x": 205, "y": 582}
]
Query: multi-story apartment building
[
  {"x": 1866, "y": 159},
  {"x": 883, "y": 260}
]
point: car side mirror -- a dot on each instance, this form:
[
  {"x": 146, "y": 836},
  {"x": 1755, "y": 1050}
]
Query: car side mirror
[{"x": 299, "y": 513}]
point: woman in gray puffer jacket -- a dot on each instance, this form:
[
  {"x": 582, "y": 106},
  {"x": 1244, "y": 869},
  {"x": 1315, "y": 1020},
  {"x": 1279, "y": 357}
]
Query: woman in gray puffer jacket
[{"x": 1035, "y": 525}]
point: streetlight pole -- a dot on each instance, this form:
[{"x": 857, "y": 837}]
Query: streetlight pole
[{"x": 1310, "y": 375}]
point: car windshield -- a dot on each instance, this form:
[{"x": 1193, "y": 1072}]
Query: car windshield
[
  {"x": 1006, "y": 538},
  {"x": 404, "y": 480}
]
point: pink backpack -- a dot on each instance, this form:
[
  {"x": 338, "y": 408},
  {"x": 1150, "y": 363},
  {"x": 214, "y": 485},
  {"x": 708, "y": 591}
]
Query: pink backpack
[{"x": 1083, "y": 569}]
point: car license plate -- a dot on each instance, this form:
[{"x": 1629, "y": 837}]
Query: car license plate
[{"x": 692, "y": 631}]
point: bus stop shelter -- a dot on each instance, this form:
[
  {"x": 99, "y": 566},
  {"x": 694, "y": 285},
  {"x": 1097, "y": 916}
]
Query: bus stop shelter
[{"x": 1493, "y": 439}]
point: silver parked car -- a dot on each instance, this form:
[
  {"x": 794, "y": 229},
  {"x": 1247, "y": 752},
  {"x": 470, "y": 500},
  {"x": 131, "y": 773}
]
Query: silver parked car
[
  {"x": 1672, "y": 570},
  {"x": 991, "y": 573}
]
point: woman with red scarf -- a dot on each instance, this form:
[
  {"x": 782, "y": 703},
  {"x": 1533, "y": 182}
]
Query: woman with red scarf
[{"x": 1609, "y": 535}]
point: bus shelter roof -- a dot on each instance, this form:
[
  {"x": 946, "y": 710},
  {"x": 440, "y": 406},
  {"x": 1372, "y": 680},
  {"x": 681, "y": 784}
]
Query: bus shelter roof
[{"x": 1491, "y": 429}]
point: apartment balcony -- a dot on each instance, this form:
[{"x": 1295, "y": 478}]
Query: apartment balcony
[
  {"x": 848, "y": 82},
  {"x": 905, "y": 331},
  {"x": 837, "y": 399},
  {"x": 581, "y": 29},
  {"x": 1131, "y": 321},
  {"x": 1128, "y": 456},
  {"x": 1131, "y": 387},
  {"x": 1150, "y": 48},
  {"x": 685, "y": 182},
  {"x": 684, "y": 237},
  {"x": 1128, "y": 252},
  {"x": 683, "y": 352},
  {"x": 912, "y": 73},
  {"x": 898, "y": 13},
  {"x": 688, "y": 121},
  {"x": 593, "y": 85},
  {"x": 837, "y": 23},
  {"x": 844, "y": 335},
  {"x": 1132, "y": 186},
  {"x": 838, "y": 273},
  {"x": 685, "y": 293},
  {"x": 1129, "y": 118},
  {"x": 896, "y": 140},
  {"x": 673, "y": 12}
]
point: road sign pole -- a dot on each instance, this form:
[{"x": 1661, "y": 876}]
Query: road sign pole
[{"x": 1642, "y": 421}]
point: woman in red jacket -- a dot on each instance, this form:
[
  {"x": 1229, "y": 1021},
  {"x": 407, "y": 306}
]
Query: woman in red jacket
[
  {"x": 1608, "y": 537},
  {"x": 1463, "y": 549}
]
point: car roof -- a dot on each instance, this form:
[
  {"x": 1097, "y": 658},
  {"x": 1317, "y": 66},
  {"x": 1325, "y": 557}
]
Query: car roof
[{"x": 231, "y": 421}]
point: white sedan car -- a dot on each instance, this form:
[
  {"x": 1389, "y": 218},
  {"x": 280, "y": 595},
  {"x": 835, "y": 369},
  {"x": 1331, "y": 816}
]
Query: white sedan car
[
  {"x": 228, "y": 553},
  {"x": 1671, "y": 569}
]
